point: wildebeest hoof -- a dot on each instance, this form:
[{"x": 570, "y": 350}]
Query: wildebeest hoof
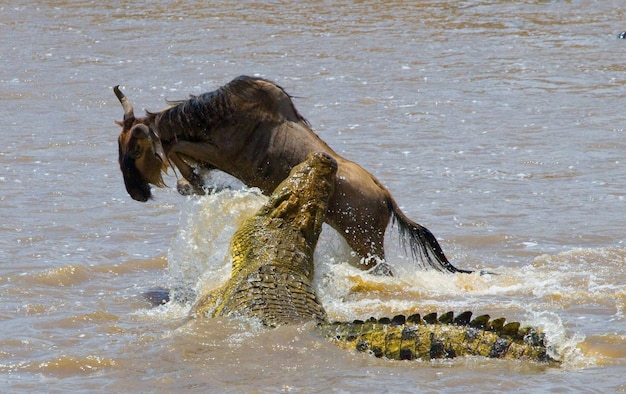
[{"x": 185, "y": 188}]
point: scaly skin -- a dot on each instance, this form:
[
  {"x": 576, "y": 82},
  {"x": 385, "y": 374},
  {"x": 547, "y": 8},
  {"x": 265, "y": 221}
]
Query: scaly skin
[
  {"x": 411, "y": 338},
  {"x": 272, "y": 257},
  {"x": 272, "y": 252}
]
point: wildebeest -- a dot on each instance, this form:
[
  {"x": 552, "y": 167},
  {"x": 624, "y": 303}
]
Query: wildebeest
[{"x": 250, "y": 129}]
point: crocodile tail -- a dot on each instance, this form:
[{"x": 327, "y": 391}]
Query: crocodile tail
[
  {"x": 432, "y": 337},
  {"x": 421, "y": 241}
]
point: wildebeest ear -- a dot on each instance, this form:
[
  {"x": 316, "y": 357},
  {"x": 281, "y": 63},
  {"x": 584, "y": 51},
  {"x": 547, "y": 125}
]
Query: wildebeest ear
[
  {"x": 121, "y": 124},
  {"x": 158, "y": 148}
]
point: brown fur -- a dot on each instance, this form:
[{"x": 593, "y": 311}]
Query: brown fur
[{"x": 250, "y": 129}]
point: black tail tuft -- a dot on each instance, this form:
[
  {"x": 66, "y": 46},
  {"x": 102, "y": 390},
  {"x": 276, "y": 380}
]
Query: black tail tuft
[{"x": 422, "y": 243}]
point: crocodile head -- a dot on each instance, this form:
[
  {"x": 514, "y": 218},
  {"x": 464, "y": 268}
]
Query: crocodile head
[{"x": 302, "y": 198}]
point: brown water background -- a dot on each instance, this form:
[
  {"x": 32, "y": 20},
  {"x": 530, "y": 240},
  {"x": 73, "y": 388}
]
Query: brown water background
[{"x": 497, "y": 124}]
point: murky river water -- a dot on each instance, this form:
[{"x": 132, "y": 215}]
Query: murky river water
[{"x": 497, "y": 124}]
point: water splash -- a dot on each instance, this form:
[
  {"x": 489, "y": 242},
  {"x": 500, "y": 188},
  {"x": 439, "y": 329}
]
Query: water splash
[
  {"x": 199, "y": 251},
  {"x": 539, "y": 294}
]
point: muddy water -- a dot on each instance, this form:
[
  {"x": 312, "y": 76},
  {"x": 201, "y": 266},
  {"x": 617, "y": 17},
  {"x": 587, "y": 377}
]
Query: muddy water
[{"x": 499, "y": 125}]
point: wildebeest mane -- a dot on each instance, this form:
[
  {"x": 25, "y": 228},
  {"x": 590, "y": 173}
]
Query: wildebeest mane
[{"x": 245, "y": 99}]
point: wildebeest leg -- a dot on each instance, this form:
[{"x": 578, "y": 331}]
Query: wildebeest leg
[
  {"x": 363, "y": 229},
  {"x": 371, "y": 251},
  {"x": 186, "y": 188},
  {"x": 192, "y": 182},
  {"x": 359, "y": 212}
]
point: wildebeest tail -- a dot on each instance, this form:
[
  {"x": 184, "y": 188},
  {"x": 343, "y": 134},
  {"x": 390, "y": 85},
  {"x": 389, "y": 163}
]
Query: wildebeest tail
[{"x": 421, "y": 242}]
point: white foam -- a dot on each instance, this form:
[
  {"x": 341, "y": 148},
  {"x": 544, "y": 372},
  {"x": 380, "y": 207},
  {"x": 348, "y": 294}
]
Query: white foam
[{"x": 561, "y": 345}]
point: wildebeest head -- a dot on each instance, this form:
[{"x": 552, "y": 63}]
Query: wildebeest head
[{"x": 141, "y": 154}]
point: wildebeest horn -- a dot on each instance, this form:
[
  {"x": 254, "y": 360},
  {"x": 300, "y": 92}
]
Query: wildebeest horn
[{"x": 128, "y": 107}]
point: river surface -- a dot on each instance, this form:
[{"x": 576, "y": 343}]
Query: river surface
[{"x": 497, "y": 124}]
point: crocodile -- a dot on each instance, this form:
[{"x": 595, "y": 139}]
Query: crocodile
[
  {"x": 272, "y": 275},
  {"x": 272, "y": 251}
]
